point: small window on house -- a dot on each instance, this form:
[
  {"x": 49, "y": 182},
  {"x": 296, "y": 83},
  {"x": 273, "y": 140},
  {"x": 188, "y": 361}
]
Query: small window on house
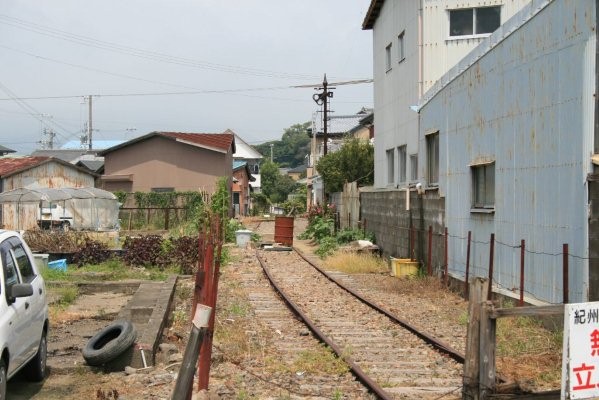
[
  {"x": 413, "y": 167},
  {"x": 483, "y": 186},
  {"x": 402, "y": 167},
  {"x": 474, "y": 21},
  {"x": 400, "y": 47},
  {"x": 390, "y": 166},
  {"x": 388, "y": 57},
  {"x": 432, "y": 158}
]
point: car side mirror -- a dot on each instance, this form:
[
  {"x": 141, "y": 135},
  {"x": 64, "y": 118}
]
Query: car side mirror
[{"x": 19, "y": 290}]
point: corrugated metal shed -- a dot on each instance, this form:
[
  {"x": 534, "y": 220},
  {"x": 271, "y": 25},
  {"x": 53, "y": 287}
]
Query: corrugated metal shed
[
  {"x": 37, "y": 172},
  {"x": 83, "y": 208}
]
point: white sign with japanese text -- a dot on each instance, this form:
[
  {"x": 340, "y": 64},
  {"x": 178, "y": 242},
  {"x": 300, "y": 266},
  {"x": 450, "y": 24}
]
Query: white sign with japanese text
[{"x": 580, "y": 365}]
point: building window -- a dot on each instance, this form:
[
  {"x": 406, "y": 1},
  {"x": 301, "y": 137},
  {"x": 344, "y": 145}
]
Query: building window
[
  {"x": 402, "y": 158},
  {"x": 413, "y": 167},
  {"x": 483, "y": 186},
  {"x": 400, "y": 47},
  {"x": 390, "y": 166},
  {"x": 474, "y": 21},
  {"x": 432, "y": 158},
  {"x": 388, "y": 57}
]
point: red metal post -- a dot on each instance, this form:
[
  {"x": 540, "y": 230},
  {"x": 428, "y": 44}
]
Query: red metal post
[
  {"x": 491, "y": 251},
  {"x": 522, "y": 249},
  {"x": 445, "y": 273},
  {"x": 467, "y": 265},
  {"x": 566, "y": 274},
  {"x": 429, "y": 269},
  {"x": 206, "y": 349}
]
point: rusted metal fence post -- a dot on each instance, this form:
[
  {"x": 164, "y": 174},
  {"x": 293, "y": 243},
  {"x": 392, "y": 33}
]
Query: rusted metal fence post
[
  {"x": 446, "y": 261},
  {"x": 491, "y": 251},
  {"x": 205, "y": 350},
  {"x": 566, "y": 274},
  {"x": 466, "y": 285},
  {"x": 412, "y": 238},
  {"x": 184, "y": 384},
  {"x": 522, "y": 250},
  {"x": 429, "y": 268}
]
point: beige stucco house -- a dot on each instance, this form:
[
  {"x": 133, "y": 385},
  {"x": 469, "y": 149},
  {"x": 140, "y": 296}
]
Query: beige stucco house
[{"x": 169, "y": 161}]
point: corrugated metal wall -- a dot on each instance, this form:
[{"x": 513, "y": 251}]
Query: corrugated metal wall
[
  {"x": 50, "y": 174},
  {"x": 528, "y": 106},
  {"x": 429, "y": 53}
]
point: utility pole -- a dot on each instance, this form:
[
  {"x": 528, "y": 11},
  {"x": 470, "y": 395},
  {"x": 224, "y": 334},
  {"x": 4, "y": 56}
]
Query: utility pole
[
  {"x": 89, "y": 123},
  {"x": 322, "y": 99},
  {"x": 271, "y": 145}
]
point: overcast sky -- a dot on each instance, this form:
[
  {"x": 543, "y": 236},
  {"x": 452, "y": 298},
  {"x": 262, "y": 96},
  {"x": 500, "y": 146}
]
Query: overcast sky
[{"x": 242, "y": 54}]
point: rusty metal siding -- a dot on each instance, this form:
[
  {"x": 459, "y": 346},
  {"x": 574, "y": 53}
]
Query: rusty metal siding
[
  {"x": 51, "y": 174},
  {"x": 528, "y": 105}
]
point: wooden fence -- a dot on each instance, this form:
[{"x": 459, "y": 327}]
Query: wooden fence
[{"x": 480, "y": 380}]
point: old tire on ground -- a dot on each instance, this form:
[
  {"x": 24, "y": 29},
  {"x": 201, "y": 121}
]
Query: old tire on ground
[
  {"x": 109, "y": 343},
  {"x": 36, "y": 368},
  {"x": 2, "y": 381}
]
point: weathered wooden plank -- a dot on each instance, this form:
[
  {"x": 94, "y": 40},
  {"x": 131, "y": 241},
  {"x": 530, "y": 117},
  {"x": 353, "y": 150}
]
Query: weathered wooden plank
[
  {"x": 532, "y": 311},
  {"x": 477, "y": 292},
  {"x": 487, "y": 351}
]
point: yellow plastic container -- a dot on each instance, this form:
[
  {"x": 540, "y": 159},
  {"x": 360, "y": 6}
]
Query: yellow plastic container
[{"x": 401, "y": 267}]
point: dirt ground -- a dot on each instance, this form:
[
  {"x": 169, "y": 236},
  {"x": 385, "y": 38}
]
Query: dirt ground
[{"x": 242, "y": 352}]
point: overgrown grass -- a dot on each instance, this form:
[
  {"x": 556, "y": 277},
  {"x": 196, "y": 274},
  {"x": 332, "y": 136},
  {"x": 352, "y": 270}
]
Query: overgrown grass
[
  {"x": 319, "y": 361},
  {"x": 524, "y": 345},
  {"x": 355, "y": 263},
  {"x": 112, "y": 270}
]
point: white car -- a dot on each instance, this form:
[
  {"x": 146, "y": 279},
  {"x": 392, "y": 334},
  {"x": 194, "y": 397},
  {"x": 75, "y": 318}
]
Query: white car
[{"x": 23, "y": 312}]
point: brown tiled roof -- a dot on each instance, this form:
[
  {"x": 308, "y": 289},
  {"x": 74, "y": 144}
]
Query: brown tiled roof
[
  {"x": 217, "y": 141},
  {"x": 221, "y": 141},
  {"x": 11, "y": 165}
]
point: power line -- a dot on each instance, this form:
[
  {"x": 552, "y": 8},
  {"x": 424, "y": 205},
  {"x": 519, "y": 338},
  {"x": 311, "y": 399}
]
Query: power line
[
  {"x": 145, "y": 54},
  {"x": 30, "y": 110}
]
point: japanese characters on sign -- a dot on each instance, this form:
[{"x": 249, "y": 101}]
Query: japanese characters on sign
[{"x": 581, "y": 351}]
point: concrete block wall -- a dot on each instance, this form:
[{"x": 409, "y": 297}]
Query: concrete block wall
[{"x": 384, "y": 213}]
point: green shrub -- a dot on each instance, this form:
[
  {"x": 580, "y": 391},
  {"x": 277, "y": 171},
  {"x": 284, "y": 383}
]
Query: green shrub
[{"x": 348, "y": 235}]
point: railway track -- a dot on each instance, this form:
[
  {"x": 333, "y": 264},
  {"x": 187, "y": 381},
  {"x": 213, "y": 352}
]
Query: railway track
[{"x": 393, "y": 359}]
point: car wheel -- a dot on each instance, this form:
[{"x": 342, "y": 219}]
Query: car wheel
[
  {"x": 36, "y": 368},
  {"x": 109, "y": 343},
  {"x": 2, "y": 381}
]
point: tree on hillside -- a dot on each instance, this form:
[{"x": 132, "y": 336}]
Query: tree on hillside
[
  {"x": 354, "y": 161},
  {"x": 292, "y": 149},
  {"x": 274, "y": 185}
]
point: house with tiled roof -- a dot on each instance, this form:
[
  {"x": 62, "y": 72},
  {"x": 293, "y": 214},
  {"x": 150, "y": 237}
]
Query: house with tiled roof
[
  {"x": 169, "y": 161},
  {"x": 242, "y": 187},
  {"x": 339, "y": 128}
]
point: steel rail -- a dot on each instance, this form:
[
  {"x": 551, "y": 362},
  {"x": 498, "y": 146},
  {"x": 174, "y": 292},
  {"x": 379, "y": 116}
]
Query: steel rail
[
  {"x": 358, "y": 372},
  {"x": 433, "y": 341}
]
